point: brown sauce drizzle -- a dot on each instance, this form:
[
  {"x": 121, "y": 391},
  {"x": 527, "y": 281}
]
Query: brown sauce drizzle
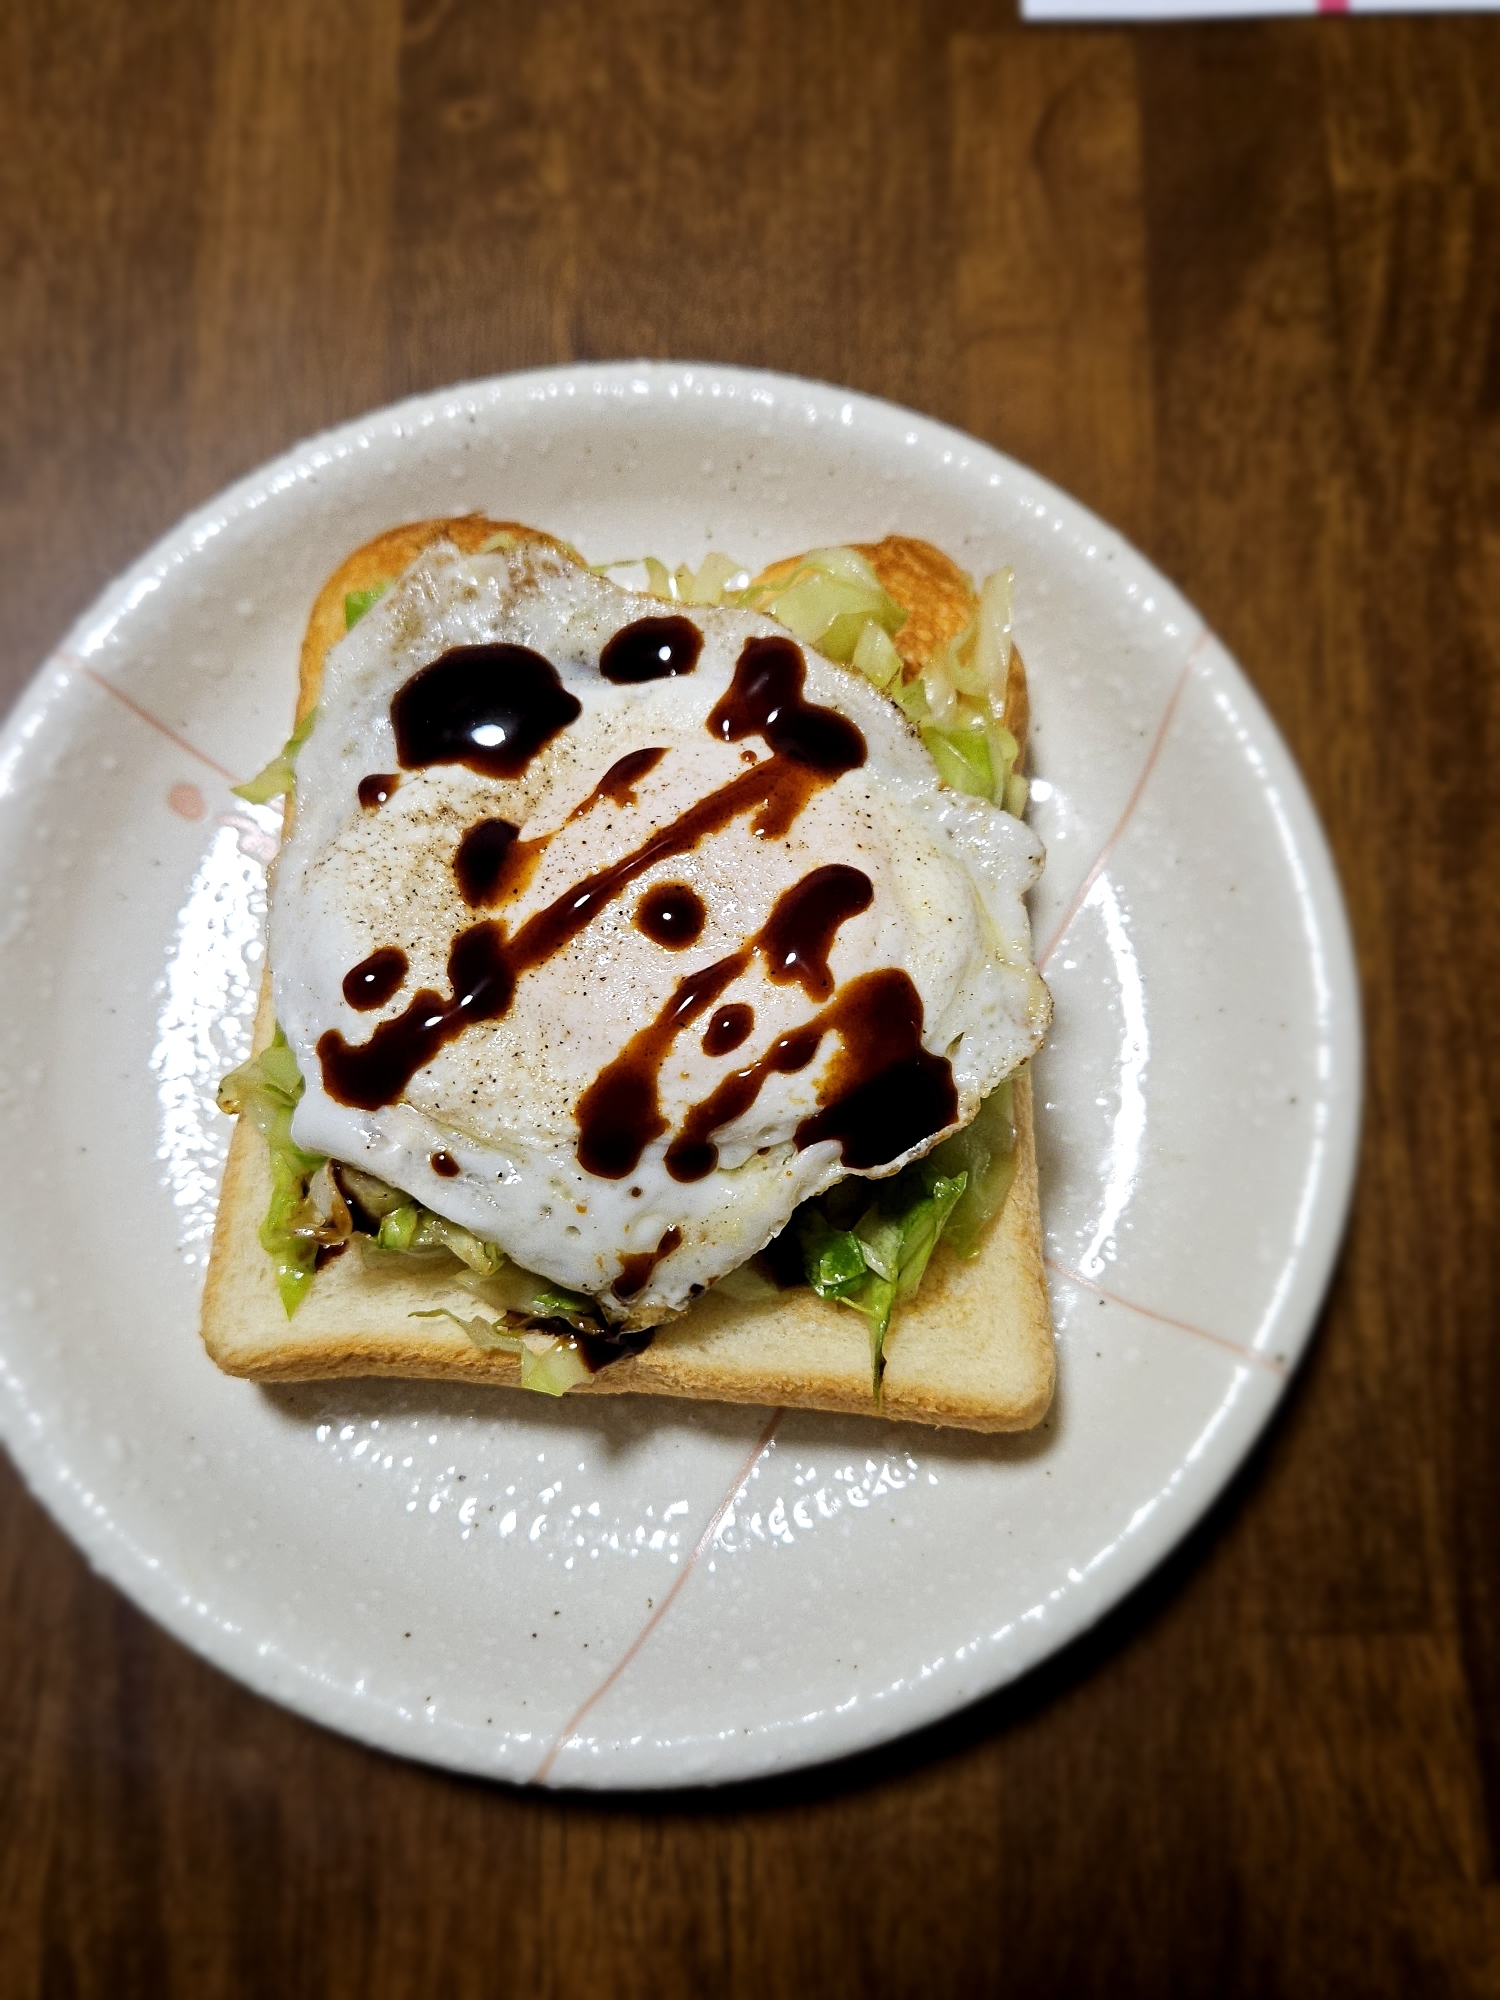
[
  {"x": 765, "y": 699},
  {"x": 728, "y": 1028},
  {"x": 493, "y": 864},
  {"x": 798, "y": 935},
  {"x": 443, "y": 1163},
  {"x": 376, "y": 978},
  {"x": 377, "y": 1071},
  {"x": 377, "y": 788},
  {"x": 636, "y": 1269},
  {"x": 491, "y": 708},
  {"x": 811, "y": 748},
  {"x": 480, "y": 863},
  {"x": 620, "y": 1112},
  {"x": 620, "y": 780},
  {"x": 884, "y": 1094},
  {"x": 651, "y": 649},
  {"x": 671, "y": 914}
]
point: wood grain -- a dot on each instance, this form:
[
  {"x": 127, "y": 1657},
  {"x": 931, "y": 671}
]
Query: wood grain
[{"x": 1237, "y": 286}]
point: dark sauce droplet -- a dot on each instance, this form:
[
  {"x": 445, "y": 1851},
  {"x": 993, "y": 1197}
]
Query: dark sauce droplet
[
  {"x": 444, "y": 1163},
  {"x": 651, "y": 649},
  {"x": 636, "y": 1269},
  {"x": 671, "y": 914},
  {"x": 480, "y": 861},
  {"x": 489, "y": 707},
  {"x": 729, "y": 1027},
  {"x": 377, "y": 788},
  {"x": 765, "y": 699},
  {"x": 376, "y": 978}
]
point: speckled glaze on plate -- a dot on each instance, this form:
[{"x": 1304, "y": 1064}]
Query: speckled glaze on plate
[{"x": 651, "y": 1593}]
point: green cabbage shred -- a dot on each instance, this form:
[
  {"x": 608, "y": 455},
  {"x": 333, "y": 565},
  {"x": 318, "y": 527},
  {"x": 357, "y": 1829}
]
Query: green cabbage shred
[
  {"x": 266, "y": 1089},
  {"x": 834, "y": 601},
  {"x": 278, "y": 776},
  {"x": 358, "y": 602},
  {"x": 983, "y": 1154},
  {"x": 868, "y": 1244},
  {"x": 878, "y": 1263},
  {"x": 551, "y": 1363}
]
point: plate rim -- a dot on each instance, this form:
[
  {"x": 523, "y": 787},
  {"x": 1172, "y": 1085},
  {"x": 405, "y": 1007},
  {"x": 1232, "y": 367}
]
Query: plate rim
[{"x": 108, "y": 1547}]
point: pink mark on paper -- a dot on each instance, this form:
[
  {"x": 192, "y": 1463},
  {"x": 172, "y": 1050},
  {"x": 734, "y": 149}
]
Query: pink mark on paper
[
  {"x": 1101, "y": 860},
  {"x": 155, "y": 722},
  {"x": 569, "y": 1729},
  {"x": 1273, "y": 1363},
  {"x": 187, "y": 801}
]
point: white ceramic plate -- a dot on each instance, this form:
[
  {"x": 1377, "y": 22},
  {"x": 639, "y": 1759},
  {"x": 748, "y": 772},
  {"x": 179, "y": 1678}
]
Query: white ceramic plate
[{"x": 656, "y": 1593}]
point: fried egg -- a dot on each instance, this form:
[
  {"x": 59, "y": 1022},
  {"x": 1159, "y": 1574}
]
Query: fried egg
[{"x": 612, "y": 930}]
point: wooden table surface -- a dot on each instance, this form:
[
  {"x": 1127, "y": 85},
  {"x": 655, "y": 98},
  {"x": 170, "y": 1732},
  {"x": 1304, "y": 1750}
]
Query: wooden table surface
[{"x": 1237, "y": 287}]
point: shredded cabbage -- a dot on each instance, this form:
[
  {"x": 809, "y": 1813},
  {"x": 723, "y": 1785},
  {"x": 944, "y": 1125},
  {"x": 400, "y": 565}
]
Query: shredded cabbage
[
  {"x": 530, "y": 1297},
  {"x": 551, "y": 1363},
  {"x": 897, "y": 1236},
  {"x": 874, "y": 1259},
  {"x": 487, "y": 1334},
  {"x": 833, "y": 600},
  {"x": 266, "y": 1089},
  {"x": 832, "y": 1259},
  {"x": 358, "y": 602},
  {"x": 875, "y": 655},
  {"x": 984, "y": 1154},
  {"x": 878, "y": 1263},
  {"x": 963, "y": 758},
  {"x": 963, "y": 698},
  {"x": 277, "y": 777},
  {"x": 413, "y": 1228}
]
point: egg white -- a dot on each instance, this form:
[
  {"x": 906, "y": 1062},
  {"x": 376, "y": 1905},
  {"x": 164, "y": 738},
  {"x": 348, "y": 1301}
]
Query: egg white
[{"x": 949, "y": 874}]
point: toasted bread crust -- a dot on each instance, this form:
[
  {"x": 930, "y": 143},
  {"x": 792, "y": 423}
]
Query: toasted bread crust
[
  {"x": 939, "y": 600},
  {"x": 973, "y": 1350}
]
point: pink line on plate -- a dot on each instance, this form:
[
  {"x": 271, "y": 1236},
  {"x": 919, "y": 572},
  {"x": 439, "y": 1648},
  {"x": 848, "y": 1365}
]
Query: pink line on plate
[
  {"x": 1102, "y": 858},
  {"x": 570, "y": 1728},
  {"x": 1267, "y": 1361},
  {"x": 145, "y": 715}
]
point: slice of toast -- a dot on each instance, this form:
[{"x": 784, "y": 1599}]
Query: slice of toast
[{"x": 973, "y": 1349}]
